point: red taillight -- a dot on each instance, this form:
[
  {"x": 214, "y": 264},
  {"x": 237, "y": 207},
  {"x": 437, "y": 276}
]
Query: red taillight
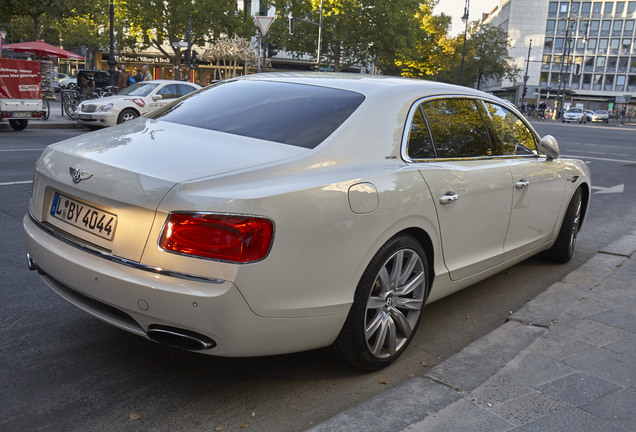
[{"x": 223, "y": 237}]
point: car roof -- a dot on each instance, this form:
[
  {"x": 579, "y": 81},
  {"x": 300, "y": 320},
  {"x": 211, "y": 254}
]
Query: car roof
[{"x": 372, "y": 84}]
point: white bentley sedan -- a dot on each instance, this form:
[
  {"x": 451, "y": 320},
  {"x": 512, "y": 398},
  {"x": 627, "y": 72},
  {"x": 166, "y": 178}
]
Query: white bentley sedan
[
  {"x": 277, "y": 213},
  {"x": 131, "y": 102}
]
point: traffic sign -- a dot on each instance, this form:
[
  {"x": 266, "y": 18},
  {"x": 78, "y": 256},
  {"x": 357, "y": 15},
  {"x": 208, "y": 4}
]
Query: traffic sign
[{"x": 264, "y": 23}]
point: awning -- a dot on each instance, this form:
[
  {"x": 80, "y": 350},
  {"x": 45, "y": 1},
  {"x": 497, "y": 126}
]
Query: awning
[{"x": 40, "y": 48}]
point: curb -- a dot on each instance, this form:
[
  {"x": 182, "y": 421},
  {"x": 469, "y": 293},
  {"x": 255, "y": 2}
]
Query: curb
[{"x": 406, "y": 406}]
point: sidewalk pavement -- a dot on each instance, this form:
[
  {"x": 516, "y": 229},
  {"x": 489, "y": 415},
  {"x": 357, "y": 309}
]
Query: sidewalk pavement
[{"x": 565, "y": 362}]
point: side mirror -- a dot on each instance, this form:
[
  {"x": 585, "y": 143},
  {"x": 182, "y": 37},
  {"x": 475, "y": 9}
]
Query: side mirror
[
  {"x": 549, "y": 147},
  {"x": 157, "y": 97}
]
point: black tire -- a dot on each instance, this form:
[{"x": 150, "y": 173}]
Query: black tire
[
  {"x": 19, "y": 124},
  {"x": 46, "y": 107},
  {"x": 70, "y": 105},
  {"x": 387, "y": 306},
  {"x": 127, "y": 115},
  {"x": 563, "y": 248}
]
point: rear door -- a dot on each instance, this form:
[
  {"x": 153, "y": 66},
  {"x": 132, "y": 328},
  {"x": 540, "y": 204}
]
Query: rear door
[{"x": 471, "y": 188}]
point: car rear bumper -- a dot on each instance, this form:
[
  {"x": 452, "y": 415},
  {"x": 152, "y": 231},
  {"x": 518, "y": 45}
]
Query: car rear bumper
[{"x": 137, "y": 301}]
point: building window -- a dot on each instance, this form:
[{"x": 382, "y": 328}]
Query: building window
[
  {"x": 589, "y": 64},
  {"x": 632, "y": 67},
  {"x": 606, "y": 25},
  {"x": 609, "y": 82},
  {"x": 611, "y": 64},
  {"x": 545, "y": 64},
  {"x": 594, "y": 26},
  {"x": 620, "y": 82},
  {"x": 600, "y": 64},
  {"x": 597, "y": 82},
  {"x": 614, "y": 45},
  {"x": 575, "y": 8},
  {"x": 585, "y": 8},
  {"x": 558, "y": 45},
  {"x": 561, "y": 27},
  {"x": 580, "y": 46},
  {"x": 597, "y": 8},
  {"x": 591, "y": 46},
  {"x": 623, "y": 64},
  {"x": 631, "y": 7},
  {"x": 563, "y": 9},
  {"x": 543, "y": 79},
  {"x": 631, "y": 84},
  {"x": 547, "y": 45},
  {"x": 602, "y": 46},
  {"x": 549, "y": 28},
  {"x": 609, "y": 7},
  {"x": 618, "y": 28},
  {"x": 627, "y": 44},
  {"x": 629, "y": 28},
  {"x": 576, "y": 81},
  {"x": 620, "y": 8},
  {"x": 587, "y": 82},
  {"x": 556, "y": 62}
]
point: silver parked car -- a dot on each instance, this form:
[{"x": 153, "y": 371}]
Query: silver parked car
[
  {"x": 277, "y": 213},
  {"x": 574, "y": 115}
]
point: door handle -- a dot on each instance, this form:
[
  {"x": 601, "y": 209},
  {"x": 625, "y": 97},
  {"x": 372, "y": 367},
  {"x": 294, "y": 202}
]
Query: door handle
[
  {"x": 522, "y": 184},
  {"x": 448, "y": 198}
]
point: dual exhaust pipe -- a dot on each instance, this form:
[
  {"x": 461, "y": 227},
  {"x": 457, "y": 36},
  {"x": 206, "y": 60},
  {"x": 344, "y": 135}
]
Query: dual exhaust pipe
[{"x": 165, "y": 335}]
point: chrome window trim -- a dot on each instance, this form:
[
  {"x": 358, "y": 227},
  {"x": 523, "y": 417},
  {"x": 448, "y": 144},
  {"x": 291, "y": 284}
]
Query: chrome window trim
[
  {"x": 66, "y": 239},
  {"x": 479, "y": 100}
]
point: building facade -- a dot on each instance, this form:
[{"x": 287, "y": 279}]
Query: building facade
[{"x": 581, "y": 52}]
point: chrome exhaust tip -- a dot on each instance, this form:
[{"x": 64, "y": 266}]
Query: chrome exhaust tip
[
  {"x": 31, "y": 263},
  {"x": 179, "y": 338}
]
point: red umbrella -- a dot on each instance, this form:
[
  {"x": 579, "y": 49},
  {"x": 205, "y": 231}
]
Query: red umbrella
[{"x": 40, "y": 48}]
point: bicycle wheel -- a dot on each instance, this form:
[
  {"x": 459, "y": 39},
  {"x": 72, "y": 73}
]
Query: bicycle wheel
[
  {"x": 70, "y": 105},
  {"x": 46, "y": 108}
]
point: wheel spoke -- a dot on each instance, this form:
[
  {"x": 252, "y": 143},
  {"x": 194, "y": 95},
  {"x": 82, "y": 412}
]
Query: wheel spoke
[
  {"x": 373, "y": 326},
  {"x": 375, "y": 302},
  {"x": 413, "y": 304},
  {"x": 406, "y": 272},
  {"x": 411, "y": 285},
  {"x": 396, "y": 272},
  {"x": 401, "y": 322}
]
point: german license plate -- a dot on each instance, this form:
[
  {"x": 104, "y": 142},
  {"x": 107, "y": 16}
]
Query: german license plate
[
  {"x": 20, "y": 114},
  {"x": 85, "y": 117},
  {"x": 84, "y": 216}
]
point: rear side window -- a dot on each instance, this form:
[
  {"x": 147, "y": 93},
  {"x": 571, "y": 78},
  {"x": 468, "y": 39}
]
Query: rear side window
[
  {"x": 420, "y": 145},
  {"x": 457, "y": 128},
  {"x": 288, "y": 113},
  {"x": 513, "y": 135}
]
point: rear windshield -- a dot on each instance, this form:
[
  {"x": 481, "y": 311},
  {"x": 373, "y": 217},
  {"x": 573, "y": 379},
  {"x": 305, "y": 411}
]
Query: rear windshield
[{"x": 295, "y": 114}]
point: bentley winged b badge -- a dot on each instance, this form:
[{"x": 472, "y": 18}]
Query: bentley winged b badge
[{"x": 78, "y": 175}]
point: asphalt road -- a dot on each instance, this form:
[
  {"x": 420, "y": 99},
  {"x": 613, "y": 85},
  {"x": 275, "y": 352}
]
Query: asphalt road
[{"x": 62, "y": 370}]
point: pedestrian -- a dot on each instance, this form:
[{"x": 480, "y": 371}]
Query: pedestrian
[
  {"x": 124, "y": 78},
  {"x": 622, "y": 116},
  {"x": 138, "y": 76},
  {"x": 145, "y": 74},
  {"x": 116, "y": 76}
]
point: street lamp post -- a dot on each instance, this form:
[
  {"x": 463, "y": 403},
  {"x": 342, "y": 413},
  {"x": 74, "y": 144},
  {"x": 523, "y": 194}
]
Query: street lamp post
[
  {"x": 465, "y": 21},
  {"x": 111, "y": 53}
]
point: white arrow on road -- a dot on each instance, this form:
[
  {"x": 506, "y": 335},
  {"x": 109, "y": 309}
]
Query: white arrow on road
[{"x": 611, "y": 189}]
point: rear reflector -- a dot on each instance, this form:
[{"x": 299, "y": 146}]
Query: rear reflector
[{"x": 223, "y": 237}]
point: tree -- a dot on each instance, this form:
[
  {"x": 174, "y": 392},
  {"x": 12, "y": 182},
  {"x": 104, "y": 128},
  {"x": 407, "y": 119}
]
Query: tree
[
  {"x": 34, "y": 10},
  {"x": 487, "y": 57},
  {"x": 433, "y": 51},
  {"x": 354, "y": 32},
  {"x": 155, "y": 22}
]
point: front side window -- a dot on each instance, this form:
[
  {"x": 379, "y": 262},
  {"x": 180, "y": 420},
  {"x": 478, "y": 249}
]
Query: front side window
[
  {"x": 513, "y": 135},
  {"x": 457, "y": 128}
]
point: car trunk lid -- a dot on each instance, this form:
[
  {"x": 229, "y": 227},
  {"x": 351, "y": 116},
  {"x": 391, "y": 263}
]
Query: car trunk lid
[{"x": 121, "y": 175}]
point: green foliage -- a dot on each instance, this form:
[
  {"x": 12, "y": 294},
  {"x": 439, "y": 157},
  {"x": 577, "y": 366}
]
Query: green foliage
[{"x": 354, "y": 32}]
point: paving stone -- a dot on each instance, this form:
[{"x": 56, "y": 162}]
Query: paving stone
[
  {"x": 578, "y": 389},
  {"x": 571, "y": 420},
  {"x": 460, "y": 416},
  {"x": 528, "y": 408},
  {"x": 616, "y": 408},
  {"x": 606, "y": 365}
]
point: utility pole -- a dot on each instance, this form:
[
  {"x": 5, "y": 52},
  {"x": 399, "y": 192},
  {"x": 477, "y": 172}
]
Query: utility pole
[
  {"x": 465, "y": 20},
  {"x": 525, "y": 77},
  {"x": 111, "y": 54}
]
